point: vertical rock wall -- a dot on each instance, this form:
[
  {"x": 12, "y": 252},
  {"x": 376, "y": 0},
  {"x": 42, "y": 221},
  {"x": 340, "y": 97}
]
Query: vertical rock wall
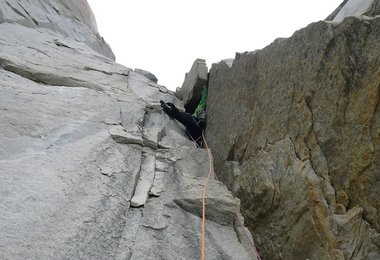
[
  {"x": 295, "y": 132},
  {"x": 90, "y": 166}
]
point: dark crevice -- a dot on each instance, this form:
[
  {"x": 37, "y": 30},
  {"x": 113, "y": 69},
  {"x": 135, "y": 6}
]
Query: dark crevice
[
  {"x": 231, "y": 153},
  {"x": 16, "y": 10},
  {"x": 56, "y": 10},
  {"x": 295, "y": 151},
  {"x": 32, "y": 48},
  {"x": 61, "y": 44},
  {"x": 246, "y": 145},
  {"x": 23, "y": 73},
  {"x": 34, "y": 20},
  {"x": 106, "y": 72},
  {"x": 375, "y": 112}
]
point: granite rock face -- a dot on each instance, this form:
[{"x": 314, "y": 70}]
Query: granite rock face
[
  {"x": 299, "y": 141},
  {"x": 82, "y": 138},
  {"x": 69, "y": 18}
]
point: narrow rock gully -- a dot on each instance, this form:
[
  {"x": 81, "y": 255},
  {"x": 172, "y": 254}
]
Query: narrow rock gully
[{"x": 165, "y": 216}]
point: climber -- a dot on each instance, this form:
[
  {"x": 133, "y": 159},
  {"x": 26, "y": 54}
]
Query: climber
[{"x": 194, "y": 123}]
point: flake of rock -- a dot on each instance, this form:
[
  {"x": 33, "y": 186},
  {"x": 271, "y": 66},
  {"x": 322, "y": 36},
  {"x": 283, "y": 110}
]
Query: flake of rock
[
  {"x": 158, "y": 183},
  {"x": 145, "y": 181},
  {"x": 120, "y": 135}
]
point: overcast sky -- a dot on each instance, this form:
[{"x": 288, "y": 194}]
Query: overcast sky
[{"x": 166, "y": 36}]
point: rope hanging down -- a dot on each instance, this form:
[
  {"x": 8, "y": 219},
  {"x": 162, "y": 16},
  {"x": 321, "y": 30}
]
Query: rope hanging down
[{"x": 211, "y": 171}]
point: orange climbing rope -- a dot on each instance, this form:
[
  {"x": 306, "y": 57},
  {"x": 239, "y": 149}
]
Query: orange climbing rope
[{"x": 211, "y": 170}]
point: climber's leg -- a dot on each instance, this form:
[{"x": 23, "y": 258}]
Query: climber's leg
[{"x": 192, "y": 128}]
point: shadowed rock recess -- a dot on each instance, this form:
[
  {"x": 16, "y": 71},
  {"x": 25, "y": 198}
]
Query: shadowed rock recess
[
  {"x": 300, "y": 142},
  {"x": 83, "y": 139}
]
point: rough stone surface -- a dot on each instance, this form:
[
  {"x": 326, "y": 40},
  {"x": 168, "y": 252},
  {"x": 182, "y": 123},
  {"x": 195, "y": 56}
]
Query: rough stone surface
[
  {"x": 68, "y": 18},
  {"x": 299, "y": 140},
  {"x": 195, "y": 81},
  {"x": 147, "y": 74},
  {"x": 79, "y": 139}
]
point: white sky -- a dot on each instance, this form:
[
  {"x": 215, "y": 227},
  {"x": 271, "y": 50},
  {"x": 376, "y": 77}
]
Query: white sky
[{"x": 166, "y": 36}]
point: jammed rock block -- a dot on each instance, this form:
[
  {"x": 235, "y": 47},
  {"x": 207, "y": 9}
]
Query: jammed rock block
[
  {"x": 221, "y": 205},
  {"x": 195, "y": 81}
]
